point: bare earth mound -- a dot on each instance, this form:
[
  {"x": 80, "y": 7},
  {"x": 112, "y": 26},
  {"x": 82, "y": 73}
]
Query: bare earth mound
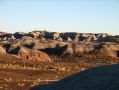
[
  {"x": 33, "y": 55},
  {"x": 100, "y": 78}
]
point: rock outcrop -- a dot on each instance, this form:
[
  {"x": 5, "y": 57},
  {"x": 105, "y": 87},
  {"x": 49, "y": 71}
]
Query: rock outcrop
[
  {"x": 69, "y": 43},
  {"x": 33, "y": 55},
  {"x": 29, "y": 54},
  {"x": 4, "y": 56}
]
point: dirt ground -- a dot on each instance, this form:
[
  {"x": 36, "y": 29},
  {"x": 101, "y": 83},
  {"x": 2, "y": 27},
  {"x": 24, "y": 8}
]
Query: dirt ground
[{"x": 22, "y": 75}]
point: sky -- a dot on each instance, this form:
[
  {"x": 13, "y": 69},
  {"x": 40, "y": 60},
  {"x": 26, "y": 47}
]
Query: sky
[{"x": 87, "y": 16}]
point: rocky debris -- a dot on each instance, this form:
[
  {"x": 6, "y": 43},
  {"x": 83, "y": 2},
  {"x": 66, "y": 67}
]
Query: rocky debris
[{"x": 99, "y": 78}]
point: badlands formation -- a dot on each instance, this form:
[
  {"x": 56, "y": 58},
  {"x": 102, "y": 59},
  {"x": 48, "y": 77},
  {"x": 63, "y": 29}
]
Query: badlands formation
[{"x": 41, "y": 57}]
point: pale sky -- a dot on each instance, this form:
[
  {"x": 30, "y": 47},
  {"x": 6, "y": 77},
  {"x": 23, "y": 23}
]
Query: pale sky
[{"x": 92, "y": 16}]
